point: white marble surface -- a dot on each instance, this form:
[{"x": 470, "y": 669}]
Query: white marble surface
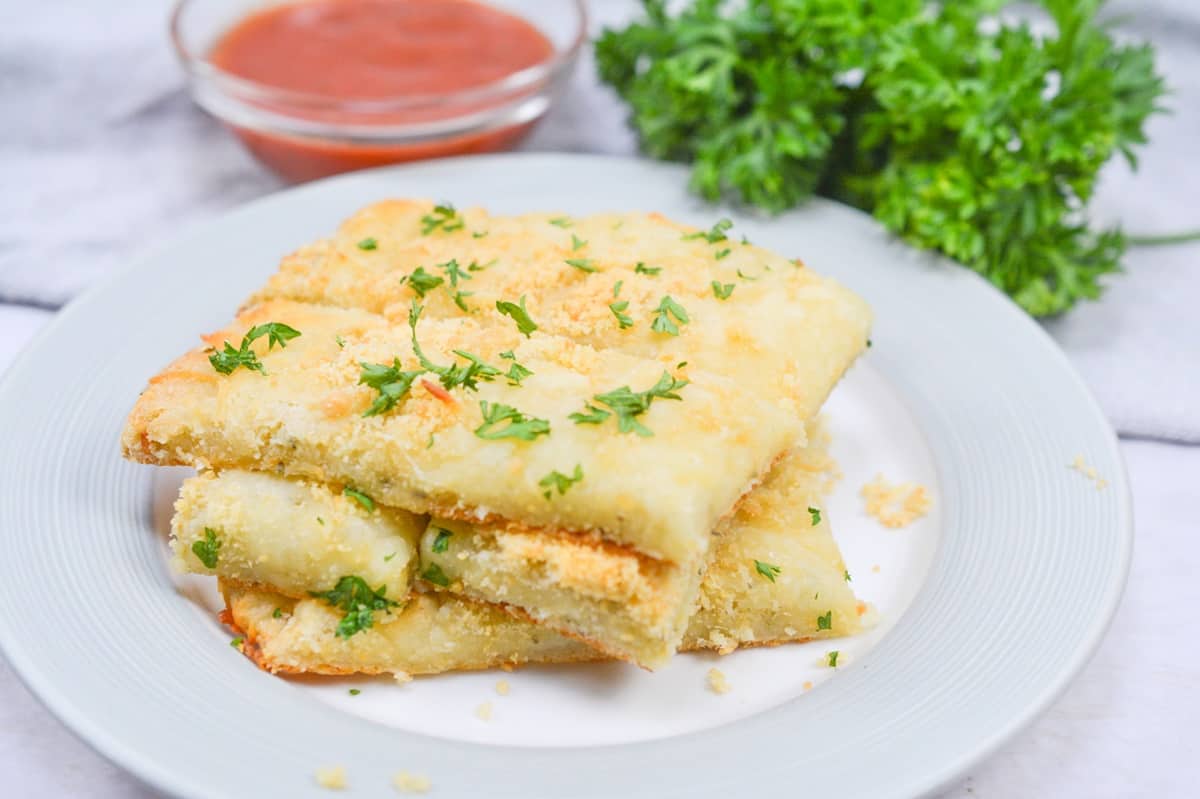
[{"x": 102, "y": 154}]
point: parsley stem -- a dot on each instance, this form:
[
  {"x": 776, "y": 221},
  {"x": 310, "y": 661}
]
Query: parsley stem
[{"x": 1165, "y": 238}]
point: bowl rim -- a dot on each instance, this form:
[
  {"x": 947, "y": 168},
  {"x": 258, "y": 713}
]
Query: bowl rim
[{"x": 200, "y": 69}]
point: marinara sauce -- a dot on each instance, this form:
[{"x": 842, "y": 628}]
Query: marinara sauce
[{"x": 377, "y": 50}]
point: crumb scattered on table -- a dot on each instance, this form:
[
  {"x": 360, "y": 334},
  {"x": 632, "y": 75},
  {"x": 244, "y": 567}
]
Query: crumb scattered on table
[
  {"x": 402, "y": 677},
  {"x": 332, "y": 778},
  {"x": 410, "y": 783},
  {"x": 895, "y": 505},
  {"x": 502, "y": 687},
  {"x": 717, "y": 682},
  {"x": 484, "y": 711}
]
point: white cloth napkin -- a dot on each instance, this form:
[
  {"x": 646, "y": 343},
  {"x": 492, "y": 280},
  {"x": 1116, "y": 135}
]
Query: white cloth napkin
[{"x": 102, "y": 154}]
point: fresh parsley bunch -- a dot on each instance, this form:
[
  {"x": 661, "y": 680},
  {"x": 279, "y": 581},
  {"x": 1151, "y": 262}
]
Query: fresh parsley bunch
[{"x": 960, "y": 129}]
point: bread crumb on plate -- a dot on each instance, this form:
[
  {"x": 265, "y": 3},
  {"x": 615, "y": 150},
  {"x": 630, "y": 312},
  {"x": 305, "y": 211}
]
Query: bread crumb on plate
[
  {"x": 502, "y": 687},
  {"x": 332, "y": 778},
  {"x": 717, "y": 682},
  {"x": 404, "y": 782},
  {"x": 895, "y": 505},
  {"x": 484, "y": 711}
]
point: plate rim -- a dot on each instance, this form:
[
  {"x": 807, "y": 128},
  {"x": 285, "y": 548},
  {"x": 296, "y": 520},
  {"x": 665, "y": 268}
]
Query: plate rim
[{"x": 145, "y": 769}]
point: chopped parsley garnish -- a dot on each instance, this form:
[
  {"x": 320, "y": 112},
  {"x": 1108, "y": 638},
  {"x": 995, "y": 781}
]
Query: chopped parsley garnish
[
  {"x": 360, "y": 498},
  {"x": 577, "y": 243},
  {"x": 618, "y": 308},
  {"x": 617, "y": 288},
  {"x": 495, "y": 417},
  {"x": 475, "y": 266},
  {"x": 320, "y": 521},
  {"x": 582, "y": 264},
  {"x": 558, "y": 481},
  {"x": 358, "y": 600},
  {"x": 443, "y": 218},
  {"x": 208, "y": 550},
  {"x": 831, "y": 658},
  {"x": 666, "y": 309},
  {"x": 767, "y": 570},
  {"x": 719, "y": 254},
  {"x": 236, "y": 643},
  {"x": 518, "y": 314},
  {"x": 388, "y": 558},
  {"x": 228, "y": 359},
  {"x": 642, "y": 269},
  {"x": 433, "y": 573},
  {"x": 479, "y": 234},
  {"x": 392, "y": 383},
  {"x": 455, "y": 272},
  {"x": 368, "y": 244},
  {"x": 456, "y": 374},
  {"x": 355, "y": 692},
  {"x": 442, "y": 542},
  {"x": 516, "y": 373},
  {"x": 627, "y": 405},
  {"x": 846, "y": 573},
  {"x": 869, "y": 343},
  {"x": 815, "y": 515},
  {"x": 744, "y": 276},
  {"x": 591, "y": 415},
  {"x": 277, "y": 613},
  {"x": 722, "y": 290},
  {"x": 561, "y": 221},
  {"x": 424, "y": 282},
  {"x": 341, "y": 342},
  {"x": 825, "y": 622},
  {"x": 460, "y": 299},
  {"x": 712, "y": 235}
]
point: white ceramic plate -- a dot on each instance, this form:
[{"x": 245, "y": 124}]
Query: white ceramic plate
[{"x": 988, "y": 606}]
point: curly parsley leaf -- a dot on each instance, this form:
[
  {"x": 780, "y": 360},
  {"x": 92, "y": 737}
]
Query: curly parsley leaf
[
  {"x": 825, "y": 622},
  {"x": 556, "y": 480},
  {"x": 980, "y": 141},
  {"x": 627, "y": 404},
  {"x": 443, "y": 217},
  {"x": 582, "y": 264},
  {"x": 722, "y": 290},
  {"x": 641, "y": 269},
  {"x": 442, "y": 541},
  {"x": 368, "y": 244},
  {"x": 815, "y": 515},
  {"x": 424, "y": 282},
  {"x": 767, "y": 570},
  {"x": 352, "y": 595},
  {"x": 663, "y": 322},
  {"x": 624, "y": 320},
  {"x": 359, "y": 497},
  {"x": 433, "y": 574},
  {"x": 392, "y": 382},
  {"x": 505, "y": 421},
  {"x": 714, "y": 234},
  {"x": 208, "y": 549},
  {"x": 518, "y": 314},
  {"x": 227, "y": 359}
]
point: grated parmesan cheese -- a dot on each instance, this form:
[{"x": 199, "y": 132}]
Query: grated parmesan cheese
[{"x": 895, "y": 505}]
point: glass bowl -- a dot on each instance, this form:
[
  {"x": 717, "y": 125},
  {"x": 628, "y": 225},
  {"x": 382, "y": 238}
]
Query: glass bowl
[{"x": 302, "y": 136}]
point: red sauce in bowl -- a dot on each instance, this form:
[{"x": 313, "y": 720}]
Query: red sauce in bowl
[{"x": 377, "y": 50}]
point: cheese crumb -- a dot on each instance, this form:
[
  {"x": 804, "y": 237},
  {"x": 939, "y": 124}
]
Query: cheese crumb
[
  {"x": 484, "y": 711},
  {"x": 410, "y": 783},
  {"x": 895, "y": 505},
  {"x": 502, "y": 687},
  {"x": 402, "y": 677},
  {"x": 717, "y": 682},
  {"x": 807, "y": 686},
  {"x": 332, "y": 778},
  {"x": 875, "y": 568}
]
